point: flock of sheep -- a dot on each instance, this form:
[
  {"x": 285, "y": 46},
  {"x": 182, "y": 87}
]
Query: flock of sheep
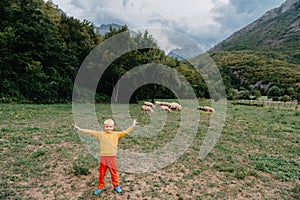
[
  {"x": 164, "y": 106},
  {"x": 148, "y": 107}
]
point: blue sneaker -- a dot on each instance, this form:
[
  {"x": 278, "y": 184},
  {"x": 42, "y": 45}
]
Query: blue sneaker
[
  {"x": 98, "y": 191},
  {"x": 118, "y": 189}
]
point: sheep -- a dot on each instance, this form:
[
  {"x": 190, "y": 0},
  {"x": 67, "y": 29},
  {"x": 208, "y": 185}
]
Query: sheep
[
  {"x": 165, "y": 108},
  {"x": 157, "y": 103},
  {"x": 209, "y": 109},
  {"x": 149, "y": 104},
  {"x": 201, "y": 108},
  {"x": 163, "y": 104},
  {"x": 206, "y": 109},
  {"x": 147, "y": 109},
  {"x": 175, "y": 106}
]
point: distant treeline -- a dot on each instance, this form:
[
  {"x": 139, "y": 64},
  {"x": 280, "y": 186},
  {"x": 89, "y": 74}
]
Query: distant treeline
[
  {"x": 249, "y": 74},
  {"x": 42, "y": 49}
]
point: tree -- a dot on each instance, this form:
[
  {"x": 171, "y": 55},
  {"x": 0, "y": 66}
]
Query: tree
[
  {"x": 274, "y": 92},
  {"x": 285, "y": 98},
  {"x": 41, "y": 50},
  {"x": 244, "y": 94},
  {"x": 231, "y": 94},
  {"x": 291, "y": 92},
  {"x": 256, "y": 93}
]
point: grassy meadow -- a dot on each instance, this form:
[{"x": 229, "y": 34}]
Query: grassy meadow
[{"x": 256, "y": 157}]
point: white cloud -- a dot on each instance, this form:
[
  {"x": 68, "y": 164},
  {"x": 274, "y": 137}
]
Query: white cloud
[{"x": 207, "y": 21}]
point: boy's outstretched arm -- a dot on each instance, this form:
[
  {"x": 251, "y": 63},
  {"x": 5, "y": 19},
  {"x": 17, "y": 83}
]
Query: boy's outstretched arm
[
  {"x": 86, "y": 131},
  {"x": 76, "y": 128},
  {"x": 130, "y": 129}
]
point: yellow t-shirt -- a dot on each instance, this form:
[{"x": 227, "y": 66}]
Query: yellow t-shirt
[{"x": 108, "y": 141}]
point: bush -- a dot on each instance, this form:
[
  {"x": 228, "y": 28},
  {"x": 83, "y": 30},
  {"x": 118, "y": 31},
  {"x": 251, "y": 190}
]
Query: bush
[
  {"x": 285, "y": 98},
  {"x": 274, "y": 93}
]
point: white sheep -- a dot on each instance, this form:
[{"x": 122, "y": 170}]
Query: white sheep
[
  {"x": 147, "y": 109},
  {"x": 209, "y": 109},
  {"x": 149, "y": 104},
  {"x": 157, "y": 103},
  {"x": 165, "y": 108},
  {"x": 163, "y": 104},
  {"x": 175, "y": 106},
  {"x": 206, "y": 109}
]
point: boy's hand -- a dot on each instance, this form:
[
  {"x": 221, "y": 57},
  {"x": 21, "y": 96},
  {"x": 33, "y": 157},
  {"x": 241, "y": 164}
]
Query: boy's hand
[
  {"x": 77, "y": 128},
  {"x": 134, "y": 123}
]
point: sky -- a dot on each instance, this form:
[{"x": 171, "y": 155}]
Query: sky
[{"x": 205, "y": 21}]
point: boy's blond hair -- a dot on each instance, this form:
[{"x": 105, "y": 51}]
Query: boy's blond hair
[{"x": 109, "y": 122}]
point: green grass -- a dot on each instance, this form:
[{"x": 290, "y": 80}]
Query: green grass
[{"x": 256, "y": 157}]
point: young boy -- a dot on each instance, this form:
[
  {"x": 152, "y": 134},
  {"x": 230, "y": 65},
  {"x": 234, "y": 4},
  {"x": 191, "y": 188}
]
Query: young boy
[{"x": 108, "y": 150}]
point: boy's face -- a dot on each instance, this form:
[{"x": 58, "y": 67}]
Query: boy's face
[{"x": 108, "y": 127}]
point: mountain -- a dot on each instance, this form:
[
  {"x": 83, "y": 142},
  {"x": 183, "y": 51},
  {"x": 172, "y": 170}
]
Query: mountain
[
  {"x": 105, "y": 28},
  {"x": 176, "y": 54},
  {"x": 185, "y": 52},
  {"x": 264, "y": 53},
  {"x": 278, "y": 29}
]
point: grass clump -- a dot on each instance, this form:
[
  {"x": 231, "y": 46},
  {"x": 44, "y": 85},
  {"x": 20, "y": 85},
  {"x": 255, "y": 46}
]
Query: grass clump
[{"x": 283, "y": 169}]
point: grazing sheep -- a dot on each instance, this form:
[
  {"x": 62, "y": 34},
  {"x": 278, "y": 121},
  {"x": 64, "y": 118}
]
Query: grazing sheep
[
  {"x": 206, "y": 109},
  {"x": 165, "y": 108},
  {"x": 175, "y": 106},
  {"x": 157, "y": 103},
  {"x": 147, "y": 109},
  {"x": 163, "y": 104},
  {"x": 209, "y": 109},
  {"x": 149, "y": 104}
]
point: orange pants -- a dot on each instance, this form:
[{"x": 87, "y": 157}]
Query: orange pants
[{"x": 110, "y": 163}]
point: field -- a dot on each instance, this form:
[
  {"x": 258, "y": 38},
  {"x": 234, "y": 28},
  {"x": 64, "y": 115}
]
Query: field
[{"x": 256, "y": 157}]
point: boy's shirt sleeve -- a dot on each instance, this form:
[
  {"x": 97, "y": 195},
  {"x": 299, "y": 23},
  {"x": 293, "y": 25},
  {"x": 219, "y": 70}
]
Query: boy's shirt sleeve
[
  {"x": 90, "y": 132},
  {"x": 123, "y": 133}
]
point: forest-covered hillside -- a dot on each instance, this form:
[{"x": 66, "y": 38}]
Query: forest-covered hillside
[
  {"x": 42, "y": 50},
  {"x": 265, "y": 53}
]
